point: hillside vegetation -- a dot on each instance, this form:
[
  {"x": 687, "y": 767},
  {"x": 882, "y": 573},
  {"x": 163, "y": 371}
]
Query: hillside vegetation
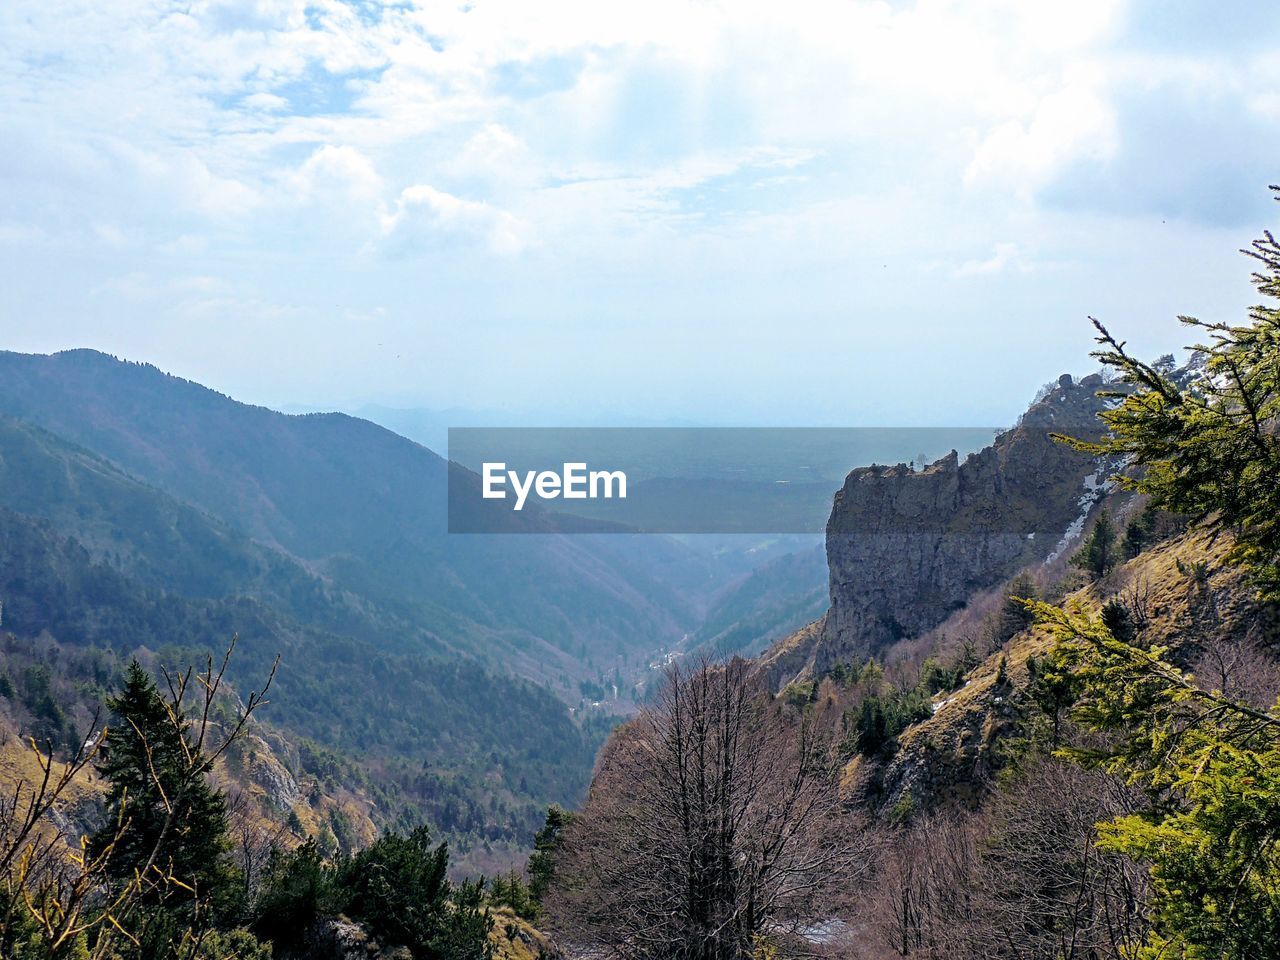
[
  {"x": 1079, "y": 760},
  {"x": 426, "y": 738},
  {"x": 363, "y": 508}
]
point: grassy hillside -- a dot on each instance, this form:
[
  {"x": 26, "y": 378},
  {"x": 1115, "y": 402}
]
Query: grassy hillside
[{"x": 1185, "y": 593}]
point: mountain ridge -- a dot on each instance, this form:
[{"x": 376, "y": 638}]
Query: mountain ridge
[{"x": 362, "y": 507}]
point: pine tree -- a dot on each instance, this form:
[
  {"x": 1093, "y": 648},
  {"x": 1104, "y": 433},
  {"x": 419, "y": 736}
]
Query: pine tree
[
  {"x": 1014, "y": 615},
  {"x": 1134, "y": 539},
  {"x": 1097, "y": 555},
  {"x": 1140, "y": 531},
  {"x": 1053, "y": 688},
  {"x": 1207, "y": 444},
  {"x": 1117, "y": 618},
  {"x": 512, "y": 891},
  {"x": 399, "y": 888},
  {"x": 542, "y": 862},
  {"x": 872, "y": 726},
  {"x": 1214, "y": 763},
  {"x": 165, "y": 821},
  {"x": 1204, "y": 443},
  {"x": 297, "y": 887}
]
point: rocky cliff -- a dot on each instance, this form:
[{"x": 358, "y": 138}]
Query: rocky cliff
[{"x": 907, "y": 547}]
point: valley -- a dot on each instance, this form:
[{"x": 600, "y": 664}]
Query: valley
[
  {"x": 899, "y": 686},
  {"x": 148, "y": 516}
]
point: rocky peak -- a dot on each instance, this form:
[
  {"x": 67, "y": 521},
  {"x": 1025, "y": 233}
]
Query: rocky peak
[{"x": 907, "y": 547}]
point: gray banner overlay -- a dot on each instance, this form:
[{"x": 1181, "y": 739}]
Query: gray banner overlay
[{"x": 694, "y": 480}]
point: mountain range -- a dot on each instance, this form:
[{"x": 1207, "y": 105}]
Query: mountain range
[{"x": 466, "y": 680}]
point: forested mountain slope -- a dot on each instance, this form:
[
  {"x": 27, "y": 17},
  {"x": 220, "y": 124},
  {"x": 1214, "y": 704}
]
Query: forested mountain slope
[
  {"x": 767, "y": 604},
  {"x": 1182, "y": 595},
  {"x": 143, "y": 514},
  {"x": 476, "y": 754},
  {"x": 167, "y": 544},
  {"x": 365, "y": 509}
]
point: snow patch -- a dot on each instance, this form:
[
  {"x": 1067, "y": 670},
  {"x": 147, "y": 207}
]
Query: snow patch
[
  {"x": 1096, "y": 486},
  {"x": 935, "y": 707}
]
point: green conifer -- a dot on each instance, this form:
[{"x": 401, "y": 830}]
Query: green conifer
[
  {"x": 165, "y": 822},
  {"x": 1097, "y": 555},
  {"x": 1206, "y": 443}
]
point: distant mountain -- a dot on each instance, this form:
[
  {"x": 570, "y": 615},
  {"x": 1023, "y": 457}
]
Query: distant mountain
[
  {"x": 142, "y": 514},
  {"x": 365, "y": 510},
  {"x": 168, "y": 545}
]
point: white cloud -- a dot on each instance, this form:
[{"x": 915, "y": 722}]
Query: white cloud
[
  {"x": 180, "y": 175},
  {"x": 674, "y": 162},
  {"x": 225, "y": 100},
  {"x": 269, "y": 102},
  {"x": 1074, "y": 121},
  {"x": 427, "y": 218},
  {"x": 1004, "y": 256},
  {"x": 496, "y": 154},
  {"x": 336, "y": 171}
]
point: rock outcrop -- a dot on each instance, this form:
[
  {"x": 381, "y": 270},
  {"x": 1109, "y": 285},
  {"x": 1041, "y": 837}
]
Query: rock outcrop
[
  {"x": 342, "y": 939},
  {"x": 905, "y": 547},
  {"x": 339, "y": 938}
]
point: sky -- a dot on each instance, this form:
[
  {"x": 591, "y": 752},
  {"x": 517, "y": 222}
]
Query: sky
[{"x": 807, "y": 212}]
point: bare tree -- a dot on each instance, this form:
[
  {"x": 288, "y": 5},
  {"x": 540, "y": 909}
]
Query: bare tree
[
  {"x": 715, "y": 824},
  {"x": 1021, "y": 879},
  {"x": 37, "y": 867},
  {"x": 1240, "y": 668},
  {"x": 1138, "y": 600},
  {"x": 253, "y": 842},
  {"x": 1049, "y": 891}
]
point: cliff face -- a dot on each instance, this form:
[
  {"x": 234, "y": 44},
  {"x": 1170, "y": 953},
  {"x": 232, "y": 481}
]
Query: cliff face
[{"x": 905, "y": 548}]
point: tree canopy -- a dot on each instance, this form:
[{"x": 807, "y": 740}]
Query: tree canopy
[
  {"x": 1205, "y": 441},
  {"x": 174, "y": 822},
  {"x": 1211, "y": 766}
]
